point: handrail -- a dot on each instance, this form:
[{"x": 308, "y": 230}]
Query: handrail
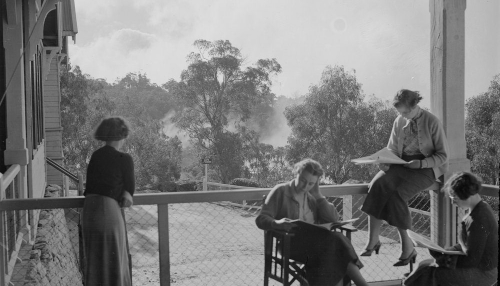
[
  {"x": 193, "y": 197},
  {"x": 9, "y": 176},
  {"x": 62, "y": 169},
  {"x": 173, "y": 198}
]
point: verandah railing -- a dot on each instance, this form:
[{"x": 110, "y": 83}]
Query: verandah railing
[
  {"x": 11, "y": 234},
  {"x": 185, "y": 239}
]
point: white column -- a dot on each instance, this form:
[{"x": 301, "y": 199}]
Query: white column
[{"x": 448, "y": 101}]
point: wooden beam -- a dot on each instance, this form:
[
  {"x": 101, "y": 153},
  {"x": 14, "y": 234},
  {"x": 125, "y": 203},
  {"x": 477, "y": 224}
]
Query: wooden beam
[{"x": 164, "y": 244}]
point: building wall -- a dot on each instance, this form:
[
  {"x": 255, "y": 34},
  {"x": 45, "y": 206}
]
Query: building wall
[{"x": 53, "y": 127}]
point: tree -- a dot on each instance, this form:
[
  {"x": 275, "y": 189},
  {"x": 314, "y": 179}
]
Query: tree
[
  {"x": 334, "y": 125},
  {"x": 482, "y": 133},
  {"x": 215, "y": 91},
  {"x": 80, "y": 109},
  {"x": 86, "y": 101}
]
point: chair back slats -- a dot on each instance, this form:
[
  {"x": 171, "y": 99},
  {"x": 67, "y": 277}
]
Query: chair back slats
[{"x": 277, "y": 262}]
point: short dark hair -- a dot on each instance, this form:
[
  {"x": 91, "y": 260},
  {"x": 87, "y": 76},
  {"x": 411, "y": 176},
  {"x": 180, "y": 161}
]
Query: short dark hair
[
  {"x": 112, "y": 129},
  {"x": 463, "y": 184},
  {"x": 406, "y": 97},
  {"x": 310, "y": 166}
]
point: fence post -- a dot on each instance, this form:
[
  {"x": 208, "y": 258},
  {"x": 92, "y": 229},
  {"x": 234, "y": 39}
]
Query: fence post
[{"x": 164, "y": 244}]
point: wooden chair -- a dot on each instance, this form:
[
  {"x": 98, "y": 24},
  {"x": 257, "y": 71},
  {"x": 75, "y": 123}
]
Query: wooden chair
[{"x": 277, "y": 262}]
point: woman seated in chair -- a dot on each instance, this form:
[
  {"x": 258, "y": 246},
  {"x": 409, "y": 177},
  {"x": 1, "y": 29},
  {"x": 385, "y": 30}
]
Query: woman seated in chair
[
  {"x": 328, "y": 256},
  {"x": 478, "y": 239}
]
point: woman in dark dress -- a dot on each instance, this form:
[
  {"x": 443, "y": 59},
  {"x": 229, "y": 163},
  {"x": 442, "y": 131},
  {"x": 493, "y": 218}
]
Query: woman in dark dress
[
  {"x": 328, "y": 256},
  {"x": 478, "y": 240},
  {"x": 110, "y": 186},
  {"x": 418, "y": 138}
]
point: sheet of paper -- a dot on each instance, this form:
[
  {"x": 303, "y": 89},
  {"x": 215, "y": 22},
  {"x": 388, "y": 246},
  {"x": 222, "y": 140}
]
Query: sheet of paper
[
  {"x": 384, "y": 156},
  {"x": 425, "y": 242}
]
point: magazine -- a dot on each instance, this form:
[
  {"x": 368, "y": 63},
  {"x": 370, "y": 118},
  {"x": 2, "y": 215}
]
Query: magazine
[
  {"x": 425, "y": 242},
  {"x": 384, "y": 156},
  {"x": 328, "y": 226}
]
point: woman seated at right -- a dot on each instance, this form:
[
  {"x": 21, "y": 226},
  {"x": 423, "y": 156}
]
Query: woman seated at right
[{"x": 478, "y": 240}]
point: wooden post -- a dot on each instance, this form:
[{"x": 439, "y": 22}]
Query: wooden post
[
  {"x": 164, "y": 244},
  {"x": 3, "y": 248},
  {"x": 80, "y": 184},
  {"x": 448, "y": 102}
]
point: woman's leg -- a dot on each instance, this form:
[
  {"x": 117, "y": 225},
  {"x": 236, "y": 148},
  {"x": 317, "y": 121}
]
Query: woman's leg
[
  {"x": 374, "y": 231},
  {"x": 355, "y": 275},
  {"x": 406, "y": 244}
]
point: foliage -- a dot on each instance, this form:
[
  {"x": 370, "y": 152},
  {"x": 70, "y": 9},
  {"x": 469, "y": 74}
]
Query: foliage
[
  {"x": 335, "y": 125},
  {"x": 265, "y": 164},
  {"x": 216, "y": 90},
  {"x": 86, "y": 101},
  {"x": 483, "y": 132},
  {"x": 81, "y": 109},
  {"x": 244, "y": 182}
]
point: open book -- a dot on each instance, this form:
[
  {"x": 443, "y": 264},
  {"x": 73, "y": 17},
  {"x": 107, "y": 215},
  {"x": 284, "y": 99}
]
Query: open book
[
  {"x": 425, "y": 242},
  {"x": 384, "y": 156},
  {"x": 327, "y": 226}
]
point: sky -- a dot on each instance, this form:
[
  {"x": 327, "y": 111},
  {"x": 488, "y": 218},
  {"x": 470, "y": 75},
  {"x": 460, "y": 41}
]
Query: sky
[{"x": 386, "y": 42}]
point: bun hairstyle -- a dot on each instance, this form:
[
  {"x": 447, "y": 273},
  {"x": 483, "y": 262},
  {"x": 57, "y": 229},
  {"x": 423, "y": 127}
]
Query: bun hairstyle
[
  {"x": 112, "y": 129},
  {"x": 406, "y": 97},
  {"x": 463, "y": 184},
  {"x": 310, "y": 166}
]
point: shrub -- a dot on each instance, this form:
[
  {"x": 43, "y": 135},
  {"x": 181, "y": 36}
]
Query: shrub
[{"x": 244, "y": 182}]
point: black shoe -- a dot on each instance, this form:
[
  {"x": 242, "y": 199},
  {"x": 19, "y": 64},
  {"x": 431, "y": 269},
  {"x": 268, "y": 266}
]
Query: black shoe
[
  {"x": 368, "y": 252},
  {"x": 411, "y": 258}
]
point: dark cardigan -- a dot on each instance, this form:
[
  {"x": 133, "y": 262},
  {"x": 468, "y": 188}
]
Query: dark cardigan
[
  {"x": 480, "y": 235},
  {"x": 110, "y": 173}
]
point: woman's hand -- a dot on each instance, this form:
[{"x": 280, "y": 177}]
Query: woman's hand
[
  {"x": 126, "y": 200},
  {"x": 314, "y": 191},
  {"x": 414, "y": 164},
  {"x": 285, "y": 224},
  {"x": 384, "y": 167}
]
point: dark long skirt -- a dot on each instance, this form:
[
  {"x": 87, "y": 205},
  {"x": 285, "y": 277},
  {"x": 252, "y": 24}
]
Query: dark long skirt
[
  {"x": 429, "y": 274},
  {"x": 389, "y": 193},
  {"x": 325, "y": 255},
  {"x": 104, "y": 242}
]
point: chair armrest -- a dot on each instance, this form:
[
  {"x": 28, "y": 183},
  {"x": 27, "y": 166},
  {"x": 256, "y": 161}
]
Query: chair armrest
[
  {"x": 276, "y": 232},
  {"x": 348, "y": 227}
]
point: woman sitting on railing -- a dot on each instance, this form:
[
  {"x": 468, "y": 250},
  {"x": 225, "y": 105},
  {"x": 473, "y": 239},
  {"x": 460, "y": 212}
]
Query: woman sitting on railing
[
  {"x": 478, "y": 240},
  {"x": 418, "y": 138},
  {"x": 328, "y": 256},
  {"x": 110, "y": 186}
]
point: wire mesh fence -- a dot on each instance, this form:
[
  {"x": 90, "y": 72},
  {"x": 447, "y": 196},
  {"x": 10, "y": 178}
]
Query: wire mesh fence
[{"x": 210, "y": 243}]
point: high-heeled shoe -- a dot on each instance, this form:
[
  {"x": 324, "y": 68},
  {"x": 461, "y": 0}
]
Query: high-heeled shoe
[
  {"x": 368, "y": 252},
  {"x": 404, "y": 261}
]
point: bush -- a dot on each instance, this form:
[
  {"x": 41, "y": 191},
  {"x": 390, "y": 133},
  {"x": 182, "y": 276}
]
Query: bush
[
  {"x": 244, "y": 182},
  {"x": 187, "y": 186},
  {"x": 167, "y": 187}
]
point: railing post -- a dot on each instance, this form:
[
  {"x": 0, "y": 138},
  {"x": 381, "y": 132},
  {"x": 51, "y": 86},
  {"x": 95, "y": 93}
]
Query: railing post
[
  {"x": 164, "y": 244},
  {"x": 3, "y": 250},
  {"x": 346, "y": 207},
  {"x": 80, "y": 184}
]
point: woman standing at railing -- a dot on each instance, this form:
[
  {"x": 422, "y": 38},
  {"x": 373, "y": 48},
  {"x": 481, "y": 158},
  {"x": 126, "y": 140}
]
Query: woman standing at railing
[
  {"x": 418, "y": 138},
  {"x": 110, "y": 186},
  {"x": 478, "y": 240},
  {"x": 328, "y": 256}
]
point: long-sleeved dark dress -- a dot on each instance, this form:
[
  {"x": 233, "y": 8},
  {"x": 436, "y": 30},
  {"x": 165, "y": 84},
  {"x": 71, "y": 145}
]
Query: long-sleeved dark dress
[
  {"x": 479, "y": 267},
  {"x": 110, "y": 173}
]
